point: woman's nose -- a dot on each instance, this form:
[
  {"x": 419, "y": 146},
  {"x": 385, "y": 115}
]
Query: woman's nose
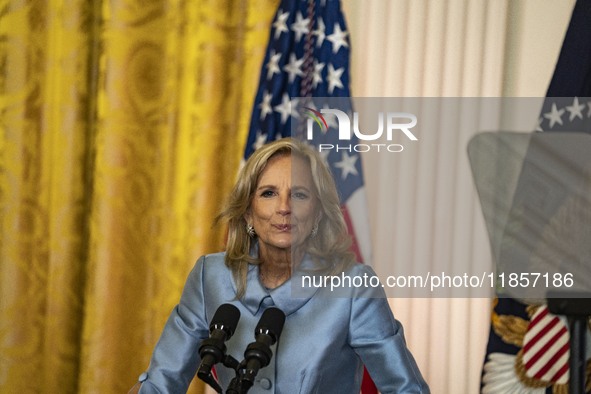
[{"x": 284, "y": 205}]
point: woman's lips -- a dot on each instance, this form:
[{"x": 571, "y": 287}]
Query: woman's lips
[{"x": 283, "y": 227}]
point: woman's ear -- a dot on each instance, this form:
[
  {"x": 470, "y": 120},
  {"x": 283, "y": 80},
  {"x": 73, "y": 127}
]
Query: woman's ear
[
  {"x": 318, "y": 217},
  {"x": 248, "y": 217}
]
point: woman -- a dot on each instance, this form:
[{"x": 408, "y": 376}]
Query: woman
[{"x": 284, "y": 221}]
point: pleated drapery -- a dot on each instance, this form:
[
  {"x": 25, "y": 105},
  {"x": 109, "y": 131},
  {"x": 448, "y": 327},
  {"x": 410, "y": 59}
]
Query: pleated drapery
[{"x": 122, "y": 127}]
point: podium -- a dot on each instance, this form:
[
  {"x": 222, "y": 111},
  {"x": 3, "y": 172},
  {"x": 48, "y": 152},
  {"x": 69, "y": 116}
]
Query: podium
[{"x": 535, "y": 194}]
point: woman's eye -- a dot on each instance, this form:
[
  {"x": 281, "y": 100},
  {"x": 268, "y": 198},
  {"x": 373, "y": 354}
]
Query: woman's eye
[
  {"x": 299, "y": 195},
  {"x": 267, "y": 193}
]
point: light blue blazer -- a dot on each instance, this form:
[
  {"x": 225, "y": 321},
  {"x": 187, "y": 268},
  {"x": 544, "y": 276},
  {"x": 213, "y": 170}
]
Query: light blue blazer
[{"x": 325, "y": 342}]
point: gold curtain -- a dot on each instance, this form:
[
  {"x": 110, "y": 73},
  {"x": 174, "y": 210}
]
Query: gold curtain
[{"x": 122, "y": 124}]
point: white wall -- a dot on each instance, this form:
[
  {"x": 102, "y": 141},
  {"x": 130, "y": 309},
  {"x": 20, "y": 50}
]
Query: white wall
[{"x": 419, "y": 48}]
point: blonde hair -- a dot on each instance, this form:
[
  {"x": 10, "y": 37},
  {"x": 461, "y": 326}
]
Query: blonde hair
[{"x": 331, "y": 244}]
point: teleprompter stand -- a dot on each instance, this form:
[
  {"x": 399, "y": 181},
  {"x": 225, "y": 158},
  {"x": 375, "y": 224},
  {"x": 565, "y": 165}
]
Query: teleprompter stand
[
  {"x": 577, "y": 310},
  {"x": 535, "y": 193}
]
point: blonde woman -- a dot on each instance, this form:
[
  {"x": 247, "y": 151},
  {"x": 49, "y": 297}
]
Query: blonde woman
[{"x": 285, "y": 224}]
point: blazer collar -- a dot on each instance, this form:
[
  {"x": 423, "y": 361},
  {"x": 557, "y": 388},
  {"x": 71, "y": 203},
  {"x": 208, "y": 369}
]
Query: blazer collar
[{"x": 257, "y": 297}]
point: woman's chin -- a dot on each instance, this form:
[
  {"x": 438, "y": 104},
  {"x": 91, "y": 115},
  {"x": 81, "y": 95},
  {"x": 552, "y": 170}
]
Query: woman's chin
[
  {"x": 286, "y": 243},
  {"x": 283, "y": 244}
]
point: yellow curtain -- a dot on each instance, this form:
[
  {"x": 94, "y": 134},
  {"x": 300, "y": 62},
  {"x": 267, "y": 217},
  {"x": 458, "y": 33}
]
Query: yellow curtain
[{"x": 122, "y": 124}]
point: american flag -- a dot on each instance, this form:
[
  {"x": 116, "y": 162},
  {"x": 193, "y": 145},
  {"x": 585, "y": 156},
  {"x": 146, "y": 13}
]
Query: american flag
[
  {"x": 308, "y": 56},
  {"x": 567, "y": 107}
]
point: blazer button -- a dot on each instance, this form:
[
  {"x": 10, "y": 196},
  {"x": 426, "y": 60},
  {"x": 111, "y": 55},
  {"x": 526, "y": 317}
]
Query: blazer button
[
  {"x": 143, "y": 377},
  {"x": 266, "y": 383}
]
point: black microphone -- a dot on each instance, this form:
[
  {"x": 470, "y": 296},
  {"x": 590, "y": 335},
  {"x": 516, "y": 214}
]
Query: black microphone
[
  {"x": 213, "y": 349},
  {"x": 258, "y": 354}
]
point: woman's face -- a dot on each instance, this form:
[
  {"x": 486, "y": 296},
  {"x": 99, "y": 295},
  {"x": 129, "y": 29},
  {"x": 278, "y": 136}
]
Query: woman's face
[{"x": 284, "y": 207}]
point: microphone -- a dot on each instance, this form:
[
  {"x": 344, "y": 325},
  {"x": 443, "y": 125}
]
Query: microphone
[
  {"x": 213, "y": 349},
  {"x": 258, "y": 354}
]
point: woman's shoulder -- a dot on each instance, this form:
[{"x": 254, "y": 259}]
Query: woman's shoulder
[
  {"x": 213, "y": 258},
  {"x": 365, "y": 282},
  {"x": 211, "y": 270},
  {"x": 208, "y": 265},
  {"x": 359, "y": 269},
  {"x": 212, "y": 262}
]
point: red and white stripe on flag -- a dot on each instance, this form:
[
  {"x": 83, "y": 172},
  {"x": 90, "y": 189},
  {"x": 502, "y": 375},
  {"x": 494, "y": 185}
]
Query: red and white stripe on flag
[{"x": 546, "y": 348}]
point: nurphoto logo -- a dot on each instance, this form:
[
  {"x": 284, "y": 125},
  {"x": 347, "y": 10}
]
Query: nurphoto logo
[{"x": 389, "y": 123}]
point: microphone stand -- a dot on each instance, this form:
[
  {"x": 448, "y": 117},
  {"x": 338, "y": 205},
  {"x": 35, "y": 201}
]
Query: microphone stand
[
  {"x": 245, "y": 373},
  {"x": 229, "y": 362},
  {"x": 213, "y": 349},
  {"x": 238, "y": 385},
  {"x": 257, "y": 355}
]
